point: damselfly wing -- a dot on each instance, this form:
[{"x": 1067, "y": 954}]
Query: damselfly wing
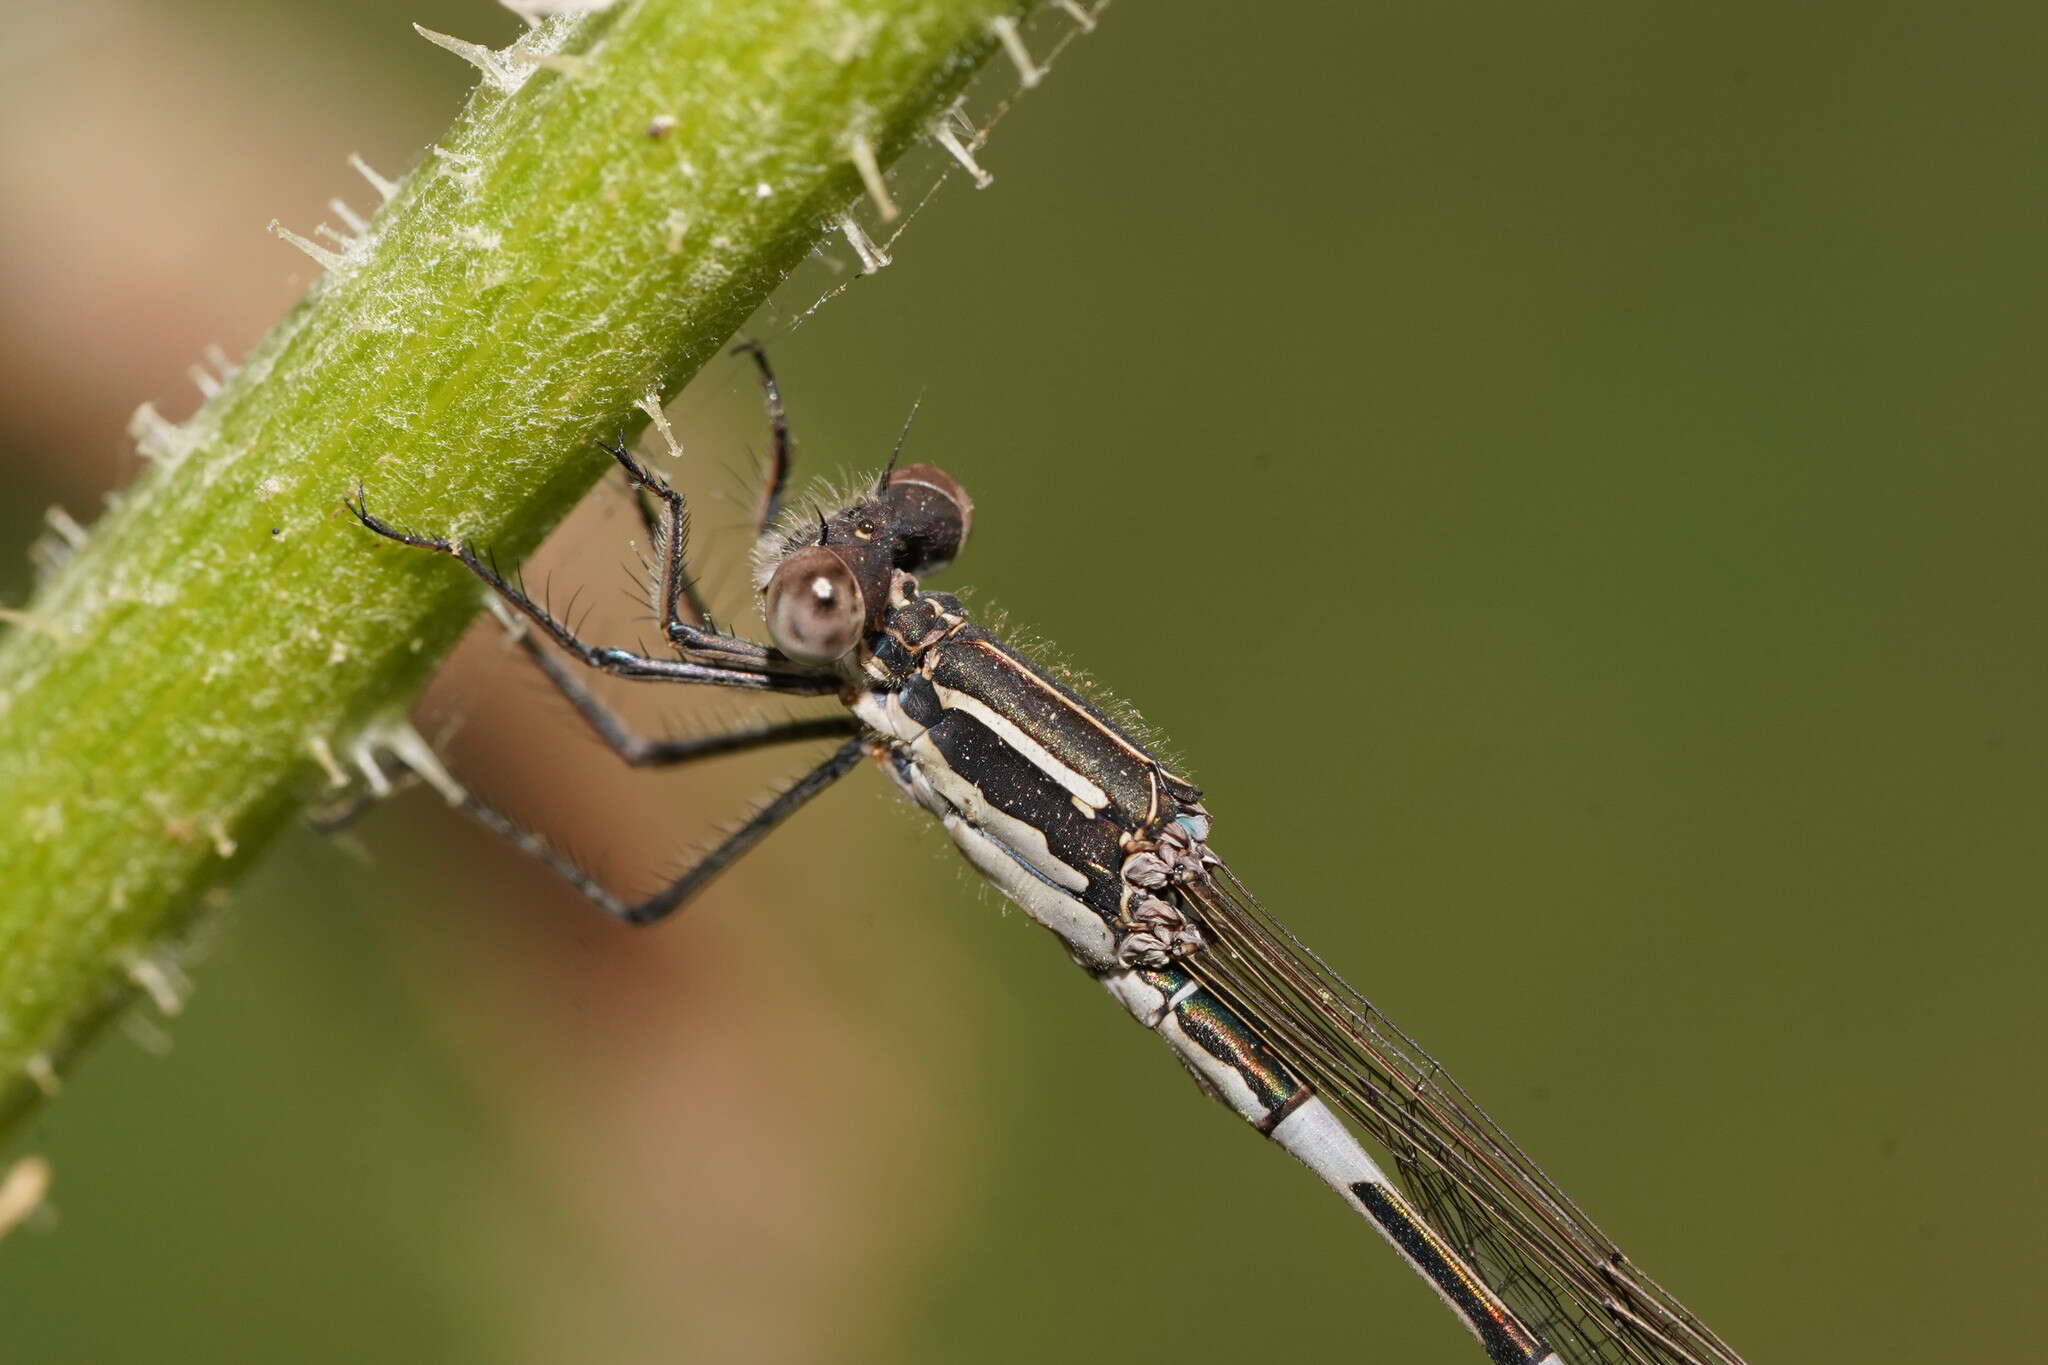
[{"x": 1469, "y": 1180}]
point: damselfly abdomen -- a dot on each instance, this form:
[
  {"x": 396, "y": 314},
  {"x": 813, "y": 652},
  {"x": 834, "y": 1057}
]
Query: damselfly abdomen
[{"x": 1098, "y": 841}]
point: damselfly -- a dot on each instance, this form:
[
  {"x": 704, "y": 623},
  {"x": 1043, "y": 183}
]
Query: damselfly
[{"x": 1098, "y": 841}]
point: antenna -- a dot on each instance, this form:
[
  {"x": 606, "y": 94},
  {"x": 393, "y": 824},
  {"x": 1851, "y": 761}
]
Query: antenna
[{"x": 882, "y": 479}]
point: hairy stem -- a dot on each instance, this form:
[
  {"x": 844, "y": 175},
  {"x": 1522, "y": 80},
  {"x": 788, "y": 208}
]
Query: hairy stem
[{"x": 622, "y": 191}]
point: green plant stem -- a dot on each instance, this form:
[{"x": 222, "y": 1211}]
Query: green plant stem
[{"x": 583, "y": 237}]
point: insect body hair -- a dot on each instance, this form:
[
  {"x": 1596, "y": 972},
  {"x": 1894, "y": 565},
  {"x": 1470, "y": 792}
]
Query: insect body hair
[{"x": 802, "y": 516}]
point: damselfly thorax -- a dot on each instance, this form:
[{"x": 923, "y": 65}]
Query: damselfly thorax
[{"x": 1079, "y": 823}]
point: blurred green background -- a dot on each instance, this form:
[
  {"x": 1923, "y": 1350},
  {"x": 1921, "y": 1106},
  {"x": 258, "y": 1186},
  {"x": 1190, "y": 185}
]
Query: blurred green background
[{"x": 1562, "y": 476}]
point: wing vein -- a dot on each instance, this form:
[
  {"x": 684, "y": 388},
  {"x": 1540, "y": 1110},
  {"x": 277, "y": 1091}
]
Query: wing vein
[{"x": 1537, "y": 1249}]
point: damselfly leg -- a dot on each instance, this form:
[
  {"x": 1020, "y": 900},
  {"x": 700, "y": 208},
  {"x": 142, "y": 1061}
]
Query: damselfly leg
[
  {"x": 733, "y": 661},
  {"x": 666, "y": 525},
  {"x": 644, "y": 751},
  {"x": 668, "y": 533},
  {"x": 699, "y": 874},
  {"x": 752, "y": 667},
  {"x": 655, "y": 751},
  {"x": 777, "y": 481}
]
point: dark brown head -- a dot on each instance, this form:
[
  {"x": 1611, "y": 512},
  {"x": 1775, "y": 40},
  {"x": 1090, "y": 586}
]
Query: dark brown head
[{"x": 832, "y": 582}]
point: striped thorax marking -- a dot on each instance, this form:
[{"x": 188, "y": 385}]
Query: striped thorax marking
[
  {"x": 1089, "y": 797},
  {"x": 1020, "y": 765}
]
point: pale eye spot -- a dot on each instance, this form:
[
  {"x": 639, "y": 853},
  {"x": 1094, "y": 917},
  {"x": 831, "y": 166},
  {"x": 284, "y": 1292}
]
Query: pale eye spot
[{"x": 813, "y": 608}]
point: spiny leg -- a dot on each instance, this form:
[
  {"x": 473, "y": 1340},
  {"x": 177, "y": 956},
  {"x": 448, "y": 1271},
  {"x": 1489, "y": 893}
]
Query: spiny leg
[
  {"x": 753, "y": 667},
  {"x": 642, "y": 751},
  {"x": 779, "y": 456},
  {"x": 774, "y": 485},
  {"x": 695, "y": 878},
  {"x": 678, "y": 590},
  {"x": 635, "y": 749},
  {"x": 651, "y": 521},
  {"x": 649, "y": 514}
]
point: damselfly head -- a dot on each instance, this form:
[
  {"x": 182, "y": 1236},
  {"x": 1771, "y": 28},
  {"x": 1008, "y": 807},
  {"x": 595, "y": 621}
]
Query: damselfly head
[{"x": 831, "y": 581}]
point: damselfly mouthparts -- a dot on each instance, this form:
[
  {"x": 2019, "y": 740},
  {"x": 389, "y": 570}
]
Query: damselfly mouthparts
[{"x": 1098, "y": 841}]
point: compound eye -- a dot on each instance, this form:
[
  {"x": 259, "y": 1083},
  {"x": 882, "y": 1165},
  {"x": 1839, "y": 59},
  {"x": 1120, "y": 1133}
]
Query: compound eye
[
  {"x": 933, "y": 513},
  {"x": 814, "y": 607}
]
